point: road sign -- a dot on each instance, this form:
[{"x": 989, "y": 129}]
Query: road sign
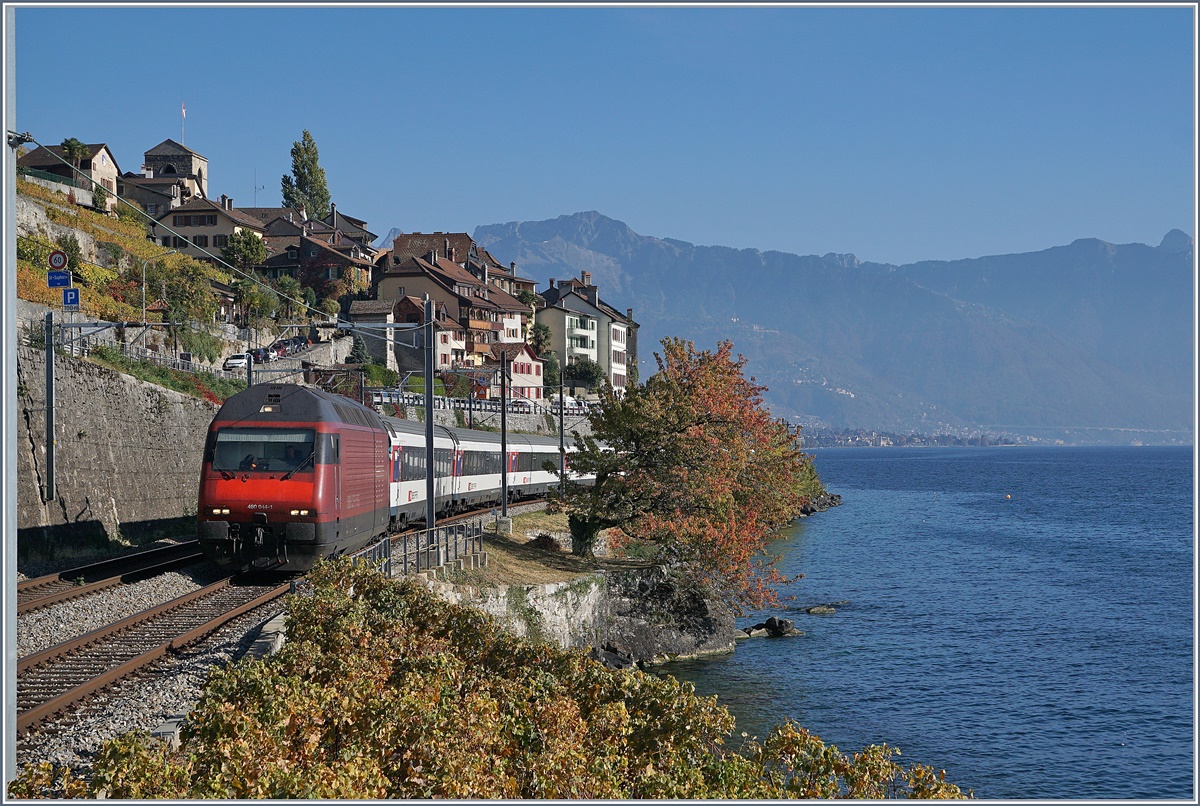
[
  {"x": 57, "y": 260},
  {"x": 58, "y": 279},
  {"x": 70, "y": 299}
]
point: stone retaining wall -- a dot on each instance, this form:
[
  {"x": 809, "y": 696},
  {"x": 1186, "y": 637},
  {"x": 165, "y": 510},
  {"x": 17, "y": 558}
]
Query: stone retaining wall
[{"x": 127, "y": 458}]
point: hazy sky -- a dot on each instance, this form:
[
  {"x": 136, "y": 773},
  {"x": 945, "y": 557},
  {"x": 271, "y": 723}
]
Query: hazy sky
[{"x": 897, "y": 134}]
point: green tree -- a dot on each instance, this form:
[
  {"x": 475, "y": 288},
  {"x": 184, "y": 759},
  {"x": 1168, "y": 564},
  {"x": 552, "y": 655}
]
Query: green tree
[
  {"x": 291, "y": 296},
  {"x": 358, "y": 352},
  {"x": 540, "y": 336},
  {"x": 74, "y": 150},
  {"x": 331, "y": 306},
  {"x": 584, "y": 372},
  {"x": 306, "y": 186},
  {"x": 550, "y": 369},
  {"x": 258, "y": 301},
  {"x": 244, "y": 250},
  {"x": 692, "y": 465}
]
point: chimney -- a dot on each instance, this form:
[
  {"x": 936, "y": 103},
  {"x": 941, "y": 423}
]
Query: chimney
[
  {"x": 513, "y": 268},
  {"x": 224, "y": 204},
  {"x": 333, "y": 213},
  {"x": 586, "y": 277},
  {"x": 552, "y": 281},
  {"x": 454, "y": 256},
  {"x": 147, "y": 172},
  {"x": 446, "y": 248},
  {"x": 629, "y": 314}
]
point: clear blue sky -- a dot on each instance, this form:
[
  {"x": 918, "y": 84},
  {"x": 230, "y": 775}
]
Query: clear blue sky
[{"x": 897, "y": 134}]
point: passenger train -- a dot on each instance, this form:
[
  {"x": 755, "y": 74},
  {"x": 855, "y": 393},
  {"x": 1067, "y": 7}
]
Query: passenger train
[{"x": 292, "y": 474}]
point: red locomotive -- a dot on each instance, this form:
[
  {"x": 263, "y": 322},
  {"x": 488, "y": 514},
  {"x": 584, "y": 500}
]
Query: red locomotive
[{"x": 291, "y": 474}]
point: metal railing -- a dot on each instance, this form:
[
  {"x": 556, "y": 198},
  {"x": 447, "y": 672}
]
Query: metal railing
[
  {"x": 433, "y": 548},
  {"x": 49, "y": 177},
  {"x": 515, "y": 406},
  {"x": 377, "y": 554}
]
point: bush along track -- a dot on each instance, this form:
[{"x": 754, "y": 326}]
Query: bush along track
[{"x": 385, "y": 691}]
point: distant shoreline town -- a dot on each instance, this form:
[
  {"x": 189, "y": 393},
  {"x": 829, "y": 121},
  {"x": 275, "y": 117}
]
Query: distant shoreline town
[{"x": 820, "y": 437}]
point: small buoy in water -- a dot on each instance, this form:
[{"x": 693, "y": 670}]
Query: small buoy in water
[{"x": 1008, "y": 496}]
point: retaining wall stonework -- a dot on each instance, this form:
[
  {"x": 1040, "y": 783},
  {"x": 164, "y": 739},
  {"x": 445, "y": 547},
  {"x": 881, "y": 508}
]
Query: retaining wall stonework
[{"x": 127, "y": 457}]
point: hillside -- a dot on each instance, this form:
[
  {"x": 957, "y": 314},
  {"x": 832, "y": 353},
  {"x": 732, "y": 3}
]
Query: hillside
[{"x": 1089, "y": 335}]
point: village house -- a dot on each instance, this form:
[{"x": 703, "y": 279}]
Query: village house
[
  {"x": 201, "y": 228},
  {"x": 525, "y": 371},
  {"x": 486, "y": 314},
  {"x": 584, "y": 326},
  {"x": 51, "y": 163}
]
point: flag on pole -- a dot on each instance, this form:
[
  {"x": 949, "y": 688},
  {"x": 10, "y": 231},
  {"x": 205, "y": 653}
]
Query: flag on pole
[{"x": 182, "y": 109}]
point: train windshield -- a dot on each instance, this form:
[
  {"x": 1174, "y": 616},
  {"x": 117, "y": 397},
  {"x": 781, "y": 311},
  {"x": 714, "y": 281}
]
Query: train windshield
[{"x": 242, "y": 449}]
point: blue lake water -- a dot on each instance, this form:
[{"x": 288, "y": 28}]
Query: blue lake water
[{"x": 1033, "y": 646}]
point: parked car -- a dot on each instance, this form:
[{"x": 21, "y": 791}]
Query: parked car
[
  {"x": 280, "y": 348},
  {"x": 236, "y": 361},
  {"x": 261, "y": 355}
]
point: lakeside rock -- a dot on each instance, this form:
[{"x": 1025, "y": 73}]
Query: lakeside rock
[
  {"x": 773, "y": 627},
  {"x": 820, "y": 504}
]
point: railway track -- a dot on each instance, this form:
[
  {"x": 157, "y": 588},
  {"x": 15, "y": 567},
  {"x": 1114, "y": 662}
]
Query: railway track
[
  {"x": 88, "y": 579},
  {"x": 51, "y": 682}
]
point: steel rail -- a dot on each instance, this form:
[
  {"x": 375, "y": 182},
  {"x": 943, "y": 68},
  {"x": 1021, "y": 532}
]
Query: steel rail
[
  {"x": 64, "y": 586},
  {"x": 61, "y": 702}
]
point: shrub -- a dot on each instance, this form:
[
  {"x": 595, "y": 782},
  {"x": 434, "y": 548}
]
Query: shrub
[{"x": 384, "y": 691}]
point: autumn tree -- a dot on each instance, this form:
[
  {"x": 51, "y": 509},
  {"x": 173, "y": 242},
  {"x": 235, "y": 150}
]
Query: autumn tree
[
  {"x": 693, "y": 466},
  {"x": 306, "y": 186}
]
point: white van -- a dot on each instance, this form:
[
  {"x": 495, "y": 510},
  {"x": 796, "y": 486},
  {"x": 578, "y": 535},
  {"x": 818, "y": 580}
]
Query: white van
[{"x": 236, "y": 361}]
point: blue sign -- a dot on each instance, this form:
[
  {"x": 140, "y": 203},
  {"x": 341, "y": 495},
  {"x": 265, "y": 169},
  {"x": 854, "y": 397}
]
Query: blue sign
[
  {"x": 58, "y": 279},
  {"x": 70, "y": 299}
]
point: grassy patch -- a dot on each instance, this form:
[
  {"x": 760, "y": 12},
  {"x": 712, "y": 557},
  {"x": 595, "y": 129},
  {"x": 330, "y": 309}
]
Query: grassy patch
[{"x": 202, "y": 385}]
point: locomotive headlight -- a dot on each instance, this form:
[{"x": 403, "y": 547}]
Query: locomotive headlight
[
  {"x": 301, "y": 512},
  {"x": 220, "y": 510}
]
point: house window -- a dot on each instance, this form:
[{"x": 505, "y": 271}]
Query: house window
[
  {"x": 179, "y": 243},
  {"x": 220, "y": 241},
  {"x": 180, "y": 220},
  {"x": 151, "y": 209},
  {"x": 293, "y": 254},
  {"x": 537, "y": 370},
  {"x": 166, "y": 240},
  {"x": 201, "y": 240}
]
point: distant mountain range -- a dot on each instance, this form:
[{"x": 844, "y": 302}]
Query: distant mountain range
[{"x": 1091, "y": 336}]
